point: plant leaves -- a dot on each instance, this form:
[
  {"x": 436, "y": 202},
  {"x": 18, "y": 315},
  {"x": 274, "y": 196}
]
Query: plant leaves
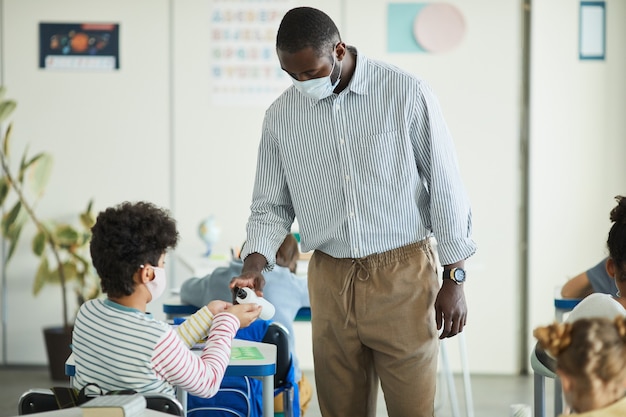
[
  {"x": 13, "y": 243},
  {"x": 45, "y": 275},
  {"x": 69, "y": 270},
  {"x": 6, "y": 141},
  {"x": 37, "y": 172},
  {"x": 4, "y": 189},
  {"x": 87, "y": 218},
  {"x": 6, "y": 108},
  {"x": 39, "y": 243},
  {"x": 20, "y": 174},
  {"x": 10, "y": 218},
  {"x": 84, "y": 261},
  {"x": 12, "y": 223},
  {"x": 66, "y": 236},
  {"x": 41, "y": 276}
]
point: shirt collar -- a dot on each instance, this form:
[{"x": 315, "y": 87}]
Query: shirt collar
[
  {"x": 358, "y": 83},
  {"x": 120, "y": 307}
]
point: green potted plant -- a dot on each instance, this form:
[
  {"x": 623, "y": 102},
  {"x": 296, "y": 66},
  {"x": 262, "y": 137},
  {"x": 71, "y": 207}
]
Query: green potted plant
[{"x": 62, "y": 248}]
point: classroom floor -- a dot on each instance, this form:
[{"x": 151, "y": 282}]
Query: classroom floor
[{"x": 492, "y": 395}]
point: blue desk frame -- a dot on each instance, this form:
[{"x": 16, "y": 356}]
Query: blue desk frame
[{"x": 174, "y": 309}]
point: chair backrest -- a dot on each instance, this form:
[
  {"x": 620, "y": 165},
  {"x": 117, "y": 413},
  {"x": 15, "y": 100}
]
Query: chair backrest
[
  {"x": 278, "y": 335},
  {"x": 164, "y": 403},
  {"x": 563, "y": 306},
  {"x": 38, "y": 400}
]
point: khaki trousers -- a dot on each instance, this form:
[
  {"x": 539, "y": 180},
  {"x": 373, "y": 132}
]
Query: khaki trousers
[{"x": 373, "y": 318}]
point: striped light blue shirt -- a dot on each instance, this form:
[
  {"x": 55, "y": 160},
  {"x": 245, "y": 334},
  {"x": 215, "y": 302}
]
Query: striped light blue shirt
[{"x": 367, "y": 170}]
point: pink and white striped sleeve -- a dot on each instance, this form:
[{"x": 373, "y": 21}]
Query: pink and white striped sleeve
[{"x": 199, "y": 375}]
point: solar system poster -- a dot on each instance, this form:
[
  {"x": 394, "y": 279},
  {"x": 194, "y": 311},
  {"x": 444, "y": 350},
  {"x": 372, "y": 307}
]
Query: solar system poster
[{"x": 79, "y": 46}]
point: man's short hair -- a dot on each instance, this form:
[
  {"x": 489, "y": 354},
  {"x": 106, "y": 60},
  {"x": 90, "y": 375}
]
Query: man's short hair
[{"x": 304, "y": 27}]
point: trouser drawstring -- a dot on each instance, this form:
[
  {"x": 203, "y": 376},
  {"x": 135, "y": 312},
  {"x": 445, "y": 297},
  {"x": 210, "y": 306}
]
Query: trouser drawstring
[{"x": 359, "y": 270}]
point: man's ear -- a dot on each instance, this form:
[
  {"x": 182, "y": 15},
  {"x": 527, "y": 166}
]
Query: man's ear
[
  {"x": 610, "y": 267},
  {"x": 341, "y": 50}
]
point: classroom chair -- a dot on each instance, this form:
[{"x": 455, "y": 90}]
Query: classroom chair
[
  {"x": 544, "y": 366},
  {"x": 278, "y": 335},
  {"x": 38, "y": 400}
]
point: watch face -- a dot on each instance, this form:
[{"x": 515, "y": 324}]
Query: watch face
[{"x": 459, "y": 275}]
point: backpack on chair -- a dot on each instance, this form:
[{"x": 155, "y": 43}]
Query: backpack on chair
[{"x": 243, "y": 396}]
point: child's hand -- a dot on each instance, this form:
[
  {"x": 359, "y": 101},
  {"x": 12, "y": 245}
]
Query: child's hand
[
  {"x": 246, "y": 313},
  {"x": 218, "y": 306}
]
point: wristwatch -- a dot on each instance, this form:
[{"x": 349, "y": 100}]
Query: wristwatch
[{"x": 455, "y": 274}]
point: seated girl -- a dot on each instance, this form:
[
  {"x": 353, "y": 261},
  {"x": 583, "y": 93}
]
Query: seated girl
[{"x": 591, "y": 363}]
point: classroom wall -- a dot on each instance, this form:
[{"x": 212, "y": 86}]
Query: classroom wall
[
  {"x": 108, "y": 133},
  {"x": 152, "y": 131},
  {"x": 578, "y": 134},
  {"x": 478, "y": 87}
]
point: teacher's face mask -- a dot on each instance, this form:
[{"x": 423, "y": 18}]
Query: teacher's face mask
[{"x": 319, "y": 88}]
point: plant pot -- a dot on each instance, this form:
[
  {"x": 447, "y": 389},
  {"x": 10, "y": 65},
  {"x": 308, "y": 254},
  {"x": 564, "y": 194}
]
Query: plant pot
[{"x": 58, "y": 342}]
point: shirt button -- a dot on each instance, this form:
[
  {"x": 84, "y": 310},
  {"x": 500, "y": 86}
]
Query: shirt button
[
  {"x": 347, "y": 177},
  {"x": 341, "y": 141},
  {"x": 337, "y": 106},
  {"x": 356, "y": 251},
  {"x": 351, "y": 214}
]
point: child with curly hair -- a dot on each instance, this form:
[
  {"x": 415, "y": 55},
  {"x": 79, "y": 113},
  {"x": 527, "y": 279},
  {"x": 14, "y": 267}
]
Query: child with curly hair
[
  {"x": 591, "y": 363},
  {"x": 117, "y": 344}
]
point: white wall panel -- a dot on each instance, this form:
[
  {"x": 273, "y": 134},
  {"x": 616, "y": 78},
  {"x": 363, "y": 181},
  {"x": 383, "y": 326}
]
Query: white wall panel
[
  {"x": 107, "y": 131},
  {"x": 577, "y": 147}
]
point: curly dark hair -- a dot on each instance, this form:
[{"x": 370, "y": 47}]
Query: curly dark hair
[
  {"x": 125, "y": 237},
  {"x": 304, "y": 27},
  {"x": 616, "y": 241}
]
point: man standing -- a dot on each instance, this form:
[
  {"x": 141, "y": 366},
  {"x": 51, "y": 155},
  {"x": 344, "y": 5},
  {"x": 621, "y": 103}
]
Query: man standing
[{"x": 359, "y": 152}]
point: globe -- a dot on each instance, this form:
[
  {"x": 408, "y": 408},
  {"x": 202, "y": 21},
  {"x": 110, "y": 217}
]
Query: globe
[{"x": 209, "y": 233}]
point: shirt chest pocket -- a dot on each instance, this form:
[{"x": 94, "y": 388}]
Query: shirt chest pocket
[{"x": 383, "y": 157}]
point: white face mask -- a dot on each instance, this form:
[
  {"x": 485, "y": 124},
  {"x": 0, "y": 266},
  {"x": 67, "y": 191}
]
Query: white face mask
[
  {"x": 318, "y": 88},
  {"x": 158, "y": 283}
]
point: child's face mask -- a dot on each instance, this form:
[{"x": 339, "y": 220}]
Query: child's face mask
[{"x": 158, "y": 284}]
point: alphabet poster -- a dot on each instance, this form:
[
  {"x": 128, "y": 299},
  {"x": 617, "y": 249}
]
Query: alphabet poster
[{"x": 244, "y": 67}]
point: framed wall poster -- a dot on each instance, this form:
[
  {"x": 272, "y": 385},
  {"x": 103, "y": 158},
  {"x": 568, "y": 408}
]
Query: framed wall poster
[
  {"x": 79, "y": 46},
  {"x": 592, "y": 37}
]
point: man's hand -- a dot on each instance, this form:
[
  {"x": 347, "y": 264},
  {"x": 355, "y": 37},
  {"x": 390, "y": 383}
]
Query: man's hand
[
  {"x": 251, "y": 275},
  {"x": 450, "y": 309}
]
